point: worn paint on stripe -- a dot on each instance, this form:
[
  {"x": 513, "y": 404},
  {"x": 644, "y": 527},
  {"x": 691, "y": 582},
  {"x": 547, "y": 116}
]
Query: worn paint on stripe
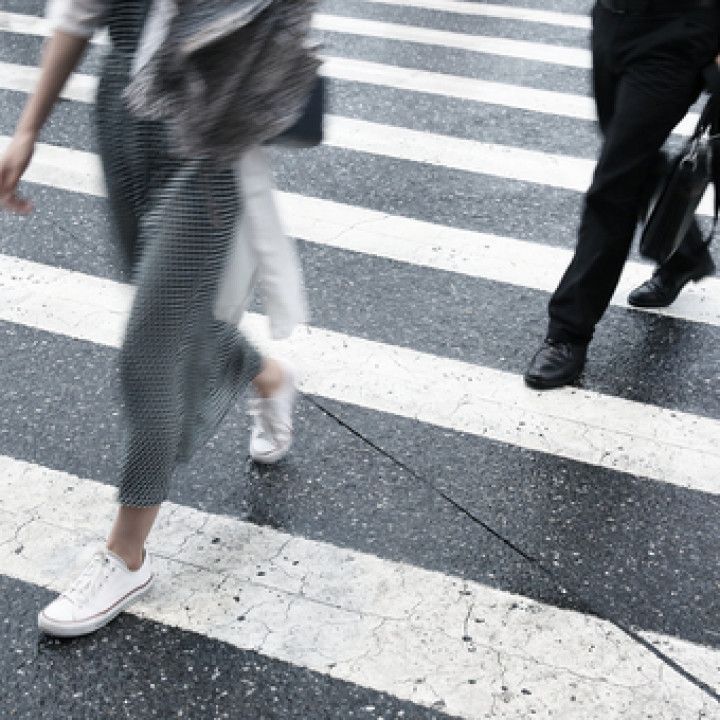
[
  {"x": 432, "y": 639},
  {"x": 660, "y": 444},
  {"x": 501, "y": 12},
  {"x": 461, "y": 87},
  {"x": 443, "y": 248}
]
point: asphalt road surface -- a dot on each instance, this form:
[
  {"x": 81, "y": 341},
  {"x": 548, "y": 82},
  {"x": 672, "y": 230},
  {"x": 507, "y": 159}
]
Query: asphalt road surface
[{"x": 442, "y": 542}]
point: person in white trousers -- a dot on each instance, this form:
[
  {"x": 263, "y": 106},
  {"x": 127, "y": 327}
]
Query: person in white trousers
[{"x": 264, "y": 261}]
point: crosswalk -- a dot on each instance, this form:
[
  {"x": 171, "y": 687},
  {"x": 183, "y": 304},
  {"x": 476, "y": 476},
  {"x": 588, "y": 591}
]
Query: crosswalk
[
  {"x": 503, "y": 259},
  {"x": 443, "y": 542},
  {"x": 383, "y": 623},
  {"x": 666, "y": 445}
]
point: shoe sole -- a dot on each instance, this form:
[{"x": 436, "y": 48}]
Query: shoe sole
[
  {"x": 539, "y": 384},
  {"x": 271, "y": 458},
  {"x": 72, "y": 630}
]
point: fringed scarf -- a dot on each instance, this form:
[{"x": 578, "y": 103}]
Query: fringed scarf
[{"x": 226, "y": 74}]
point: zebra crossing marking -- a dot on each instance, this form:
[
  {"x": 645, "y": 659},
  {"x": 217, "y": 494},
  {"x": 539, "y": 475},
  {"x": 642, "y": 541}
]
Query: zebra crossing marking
[
  {"x": 475, "y": 254},
  {"x": 378, "y": 623},
  {"x": 704, "y": 657},
  {"x": 81, "y": 88},
  {"x": 501, "y": 12},
  {"x": 24, "y": 78},
  {"x": 665, "y": 445},
  {"x": 481, "y": 255},
  {"x": 483, "y": 44},
  {"x": 501, "y": 47},
  {"x": 551, "y": 170}
]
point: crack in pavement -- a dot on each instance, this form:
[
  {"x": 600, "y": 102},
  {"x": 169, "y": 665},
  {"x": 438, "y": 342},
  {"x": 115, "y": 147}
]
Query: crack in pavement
[
  {"x": 15, "y": 539},
  {"x": 582, "y": 604}
]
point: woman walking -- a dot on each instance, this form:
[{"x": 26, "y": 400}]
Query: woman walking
[{"x": 181, "y": 368}]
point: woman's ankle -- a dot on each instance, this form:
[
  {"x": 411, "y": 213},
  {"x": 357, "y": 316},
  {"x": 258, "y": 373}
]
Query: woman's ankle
[
  {"x": 130, "y": 556},
  {"x": 270, "y": 378}
]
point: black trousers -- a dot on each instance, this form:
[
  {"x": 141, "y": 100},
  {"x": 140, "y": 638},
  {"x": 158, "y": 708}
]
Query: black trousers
[{"x": 647, "y": 72}]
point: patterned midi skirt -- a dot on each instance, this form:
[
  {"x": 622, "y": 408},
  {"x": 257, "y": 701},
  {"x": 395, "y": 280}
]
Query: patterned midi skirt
[{"x": 174, "y": 221}]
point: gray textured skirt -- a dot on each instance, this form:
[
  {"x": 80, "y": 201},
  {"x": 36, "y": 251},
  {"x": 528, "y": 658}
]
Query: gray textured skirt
[{"x": 174, "y": 221}]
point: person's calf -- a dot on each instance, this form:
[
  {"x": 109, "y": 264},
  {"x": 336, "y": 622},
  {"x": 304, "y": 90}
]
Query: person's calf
[{"x": 129, "y": 532}]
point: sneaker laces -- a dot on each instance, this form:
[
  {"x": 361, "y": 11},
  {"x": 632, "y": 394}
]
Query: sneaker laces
[{"x": 91, "y": 580}]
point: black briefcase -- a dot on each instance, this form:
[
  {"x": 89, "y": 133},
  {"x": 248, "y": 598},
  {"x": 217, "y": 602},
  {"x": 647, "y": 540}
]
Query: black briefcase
[
  {"x": 673, "y": 209},
  {"x": 308, "y": 129}
]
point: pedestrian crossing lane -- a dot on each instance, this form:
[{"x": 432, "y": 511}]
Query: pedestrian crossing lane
[{"x": 382, "y": 622}]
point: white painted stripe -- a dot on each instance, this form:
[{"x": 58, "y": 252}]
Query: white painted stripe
[
  {"x": 503, "y": 12},
  {"x": 64, "y": 168},
  {"x": 24, "y": 24},
  {"x": 23, "y": 78},
  {"x": 35, "y": 25},
  {"x": 514, "y": 163},
  {"x": 503, "y": 161},
  {"x": 463, "y": 88},
  {"x": 435, "y": 640},
  {"x": 81, "y": 88},
  {"x": 353, "y": 228},
  {"x": 660, "y": 444},
  {"x": 502, "y": 47},
  {"x": 481, "y": 255},
  {"x": 701, "y": 665},
  {"x": 550, "y": 102}
]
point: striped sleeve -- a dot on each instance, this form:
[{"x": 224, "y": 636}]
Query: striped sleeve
[{"x": 77, "y": 17}]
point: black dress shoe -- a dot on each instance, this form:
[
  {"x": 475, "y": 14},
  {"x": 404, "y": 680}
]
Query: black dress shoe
[
  {"x": 555, "y": 364},
  {"x": 668, "y": 280}
]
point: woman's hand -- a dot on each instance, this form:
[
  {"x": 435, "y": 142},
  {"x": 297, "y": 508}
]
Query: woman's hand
[
  {"x": 62, "y": 54},
  {"x": 13, "y": 164}
]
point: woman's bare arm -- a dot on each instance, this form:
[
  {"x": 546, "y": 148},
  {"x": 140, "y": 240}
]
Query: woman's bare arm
[{"x": 61, "y": 56}]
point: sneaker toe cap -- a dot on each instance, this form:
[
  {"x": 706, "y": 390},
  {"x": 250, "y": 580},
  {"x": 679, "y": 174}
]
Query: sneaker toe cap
[
  {"x": 59, "y": 611},
  {"x": 265, "y": 449}
]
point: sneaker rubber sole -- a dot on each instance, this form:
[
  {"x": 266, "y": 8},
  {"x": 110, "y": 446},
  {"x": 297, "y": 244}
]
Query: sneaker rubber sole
[{"x": 57, "y": 629}]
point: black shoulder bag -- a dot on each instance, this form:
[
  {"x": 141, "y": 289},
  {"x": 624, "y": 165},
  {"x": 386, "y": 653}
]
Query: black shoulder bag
[
  {"x": 308, "y": 130},
  {"x": 682, "y": 189}
]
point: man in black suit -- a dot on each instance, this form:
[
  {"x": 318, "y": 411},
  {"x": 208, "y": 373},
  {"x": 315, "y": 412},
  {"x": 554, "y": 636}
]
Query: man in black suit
[{"x": 648, "y": 60}]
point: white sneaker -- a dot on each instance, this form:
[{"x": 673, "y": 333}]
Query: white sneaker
[
  {"x": 272, "y": 432},
  {"x": 103, "y": 590}
]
